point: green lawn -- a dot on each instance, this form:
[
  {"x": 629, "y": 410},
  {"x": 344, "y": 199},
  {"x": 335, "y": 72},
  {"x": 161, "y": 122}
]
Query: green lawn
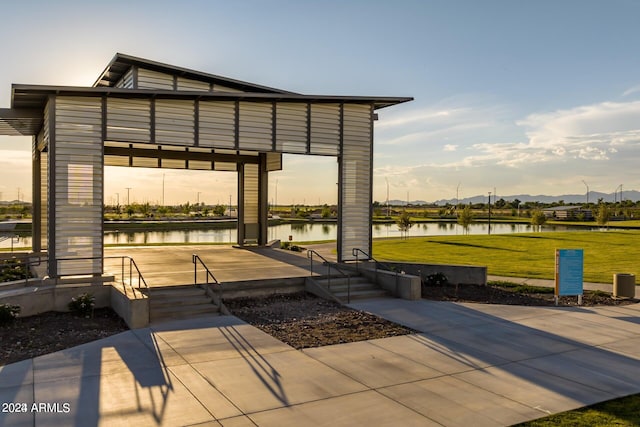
[
  {"x": 521, "y": 255},
  {"x": 617, "y": 412}
]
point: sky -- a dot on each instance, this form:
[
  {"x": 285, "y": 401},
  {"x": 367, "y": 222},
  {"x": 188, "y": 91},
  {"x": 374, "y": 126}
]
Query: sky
[{"x": 516, "y": 97}]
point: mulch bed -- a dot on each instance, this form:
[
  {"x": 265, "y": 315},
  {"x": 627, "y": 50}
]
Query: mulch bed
[
  {"x": 303, "y": 320},
  {"x": 45, "y": 333},
  {"x": 493, "y": 294}
]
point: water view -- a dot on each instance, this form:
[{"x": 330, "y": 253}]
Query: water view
[{"x": 299, "y": 233}]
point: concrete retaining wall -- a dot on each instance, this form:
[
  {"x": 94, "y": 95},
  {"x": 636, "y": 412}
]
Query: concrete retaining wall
[
  {"x": 41, "y": 299},
  {"x": 405, "y": 286},
  {"x": 456, "y": 274},
  {"x": 134, "y": 309},
  {"x": 55, "y": 298}
]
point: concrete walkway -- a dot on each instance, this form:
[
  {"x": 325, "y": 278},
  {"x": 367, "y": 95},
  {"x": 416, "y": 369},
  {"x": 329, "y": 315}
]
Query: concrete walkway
[{"x": 472, "y": 364}]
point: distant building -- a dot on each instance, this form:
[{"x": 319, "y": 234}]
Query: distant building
[{"x": 568, "y": 213}]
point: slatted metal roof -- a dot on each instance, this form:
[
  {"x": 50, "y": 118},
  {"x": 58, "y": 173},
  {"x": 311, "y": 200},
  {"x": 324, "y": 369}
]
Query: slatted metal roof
[
  {"x": 28, "y": 101},
  {"x": 121, "y": 63},
  {"x": 20, "y": 121}
]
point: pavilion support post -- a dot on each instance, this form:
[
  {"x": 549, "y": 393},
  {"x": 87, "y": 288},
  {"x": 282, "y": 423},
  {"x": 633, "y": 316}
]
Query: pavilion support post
[
  {"x": 263, "y": 198},
  {"x": 252, "y": 202},
  {"x": 36, "y": 197}
]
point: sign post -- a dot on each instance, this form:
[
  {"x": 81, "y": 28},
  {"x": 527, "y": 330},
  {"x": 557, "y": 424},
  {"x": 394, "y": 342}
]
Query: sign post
[{"x": 569, "y": 273}]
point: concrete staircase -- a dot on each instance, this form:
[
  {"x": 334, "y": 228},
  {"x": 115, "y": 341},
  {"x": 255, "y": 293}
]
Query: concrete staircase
[
  {"x": 361, "y": 288},
  {"x": 179, "y": 302}
]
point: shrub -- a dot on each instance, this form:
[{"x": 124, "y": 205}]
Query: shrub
[
  {"x": 285, "y": 245},
  {"x": 436, "y": 279},
  {"x": 12, "y": 269},
  {"x": 8, "y": 313},
  {"x": 82, "y": 305}
]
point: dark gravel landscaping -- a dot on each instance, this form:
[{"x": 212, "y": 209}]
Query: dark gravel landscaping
[{"x": 303, "y": 320}]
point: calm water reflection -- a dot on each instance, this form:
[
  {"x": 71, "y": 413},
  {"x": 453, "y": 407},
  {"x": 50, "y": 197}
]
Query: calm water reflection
[{"x": 300, "y": 233}]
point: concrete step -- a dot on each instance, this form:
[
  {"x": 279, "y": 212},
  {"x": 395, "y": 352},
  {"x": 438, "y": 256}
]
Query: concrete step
[
  {"x": 183, "y": 311},
  {"x": 357, "y": 287},
  {"x": 174, "y": 291},
  {"x": 361, "y": 294},
  {"x": 179, "y": 302},
  {"x": 339, "y": 281}
]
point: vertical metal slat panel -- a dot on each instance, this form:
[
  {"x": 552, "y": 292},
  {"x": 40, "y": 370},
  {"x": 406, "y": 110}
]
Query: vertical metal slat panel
[
  {"x": 325, "y": 129},
  {"x": 274, "y": 161},
  {"x": 291, "y": 127},
  {"x": 192, "y": 85},
  {"x": 220, "y": 88},
  {"x": 250, "y": 193},
  {"x": 216, "y": 125},
  {"x": 148, "y": 79},
  {"x": 356, "y": 179},
  {"x": 255, "y": 126},
  {"x": 78, "y": 188},
  {"x": 44, "y": 185},
  {"x": 128, "y": 120},
  {"x": 175, "y": 120}
]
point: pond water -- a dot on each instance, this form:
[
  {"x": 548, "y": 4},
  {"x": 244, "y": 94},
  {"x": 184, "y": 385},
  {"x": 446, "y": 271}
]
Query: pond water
[{"x": 299, "y": 232}]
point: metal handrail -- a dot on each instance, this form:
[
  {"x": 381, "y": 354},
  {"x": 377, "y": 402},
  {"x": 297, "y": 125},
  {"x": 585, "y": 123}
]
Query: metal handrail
[
  {"x": 208, "y": 274},
  {"x": 355, "y": 251},
  {"x": 311, "y": 252},
  {"x": 132, "y": 265}
]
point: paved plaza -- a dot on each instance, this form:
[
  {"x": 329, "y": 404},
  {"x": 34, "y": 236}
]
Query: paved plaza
[{"x": 471, "y": 364}]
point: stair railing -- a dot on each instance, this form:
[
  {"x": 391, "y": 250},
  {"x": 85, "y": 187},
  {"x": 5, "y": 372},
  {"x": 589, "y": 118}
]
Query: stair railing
[
  {"x": 195, "y": 259},
  {"x": 356, "y": 251},
  {"x": 133, "y": 270},
  {"x": 311, "y": 253}
]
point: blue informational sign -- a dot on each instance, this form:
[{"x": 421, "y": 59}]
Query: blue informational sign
[{"x": 569, "y": 271}]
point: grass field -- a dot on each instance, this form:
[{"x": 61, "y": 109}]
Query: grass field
[
  {"x": 521, "y": 255},
  {"x": 617, "y": 412}
]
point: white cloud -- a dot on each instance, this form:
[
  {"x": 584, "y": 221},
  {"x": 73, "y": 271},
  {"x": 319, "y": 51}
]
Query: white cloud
[
  {"x": 551, "y": 153},
  {"x": 593, "y": 132},
  {"x": 631, "y": 90}
]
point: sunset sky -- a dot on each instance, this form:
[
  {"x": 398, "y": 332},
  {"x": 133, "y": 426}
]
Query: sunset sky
[{"x": 525, "y": 97}]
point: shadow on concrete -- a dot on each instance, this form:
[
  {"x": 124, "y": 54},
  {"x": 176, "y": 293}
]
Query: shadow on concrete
[
  {"x": 585, "y": 373},
  {"x": 73, "y": 376},
  {"x": 266, "y": 373}
]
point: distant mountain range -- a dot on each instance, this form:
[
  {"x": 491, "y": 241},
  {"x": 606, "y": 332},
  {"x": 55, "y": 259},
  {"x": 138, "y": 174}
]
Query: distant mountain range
[{"x": 565, "y": 198}]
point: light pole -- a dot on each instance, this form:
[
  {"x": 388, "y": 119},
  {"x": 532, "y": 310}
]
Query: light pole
[
  {"x": 457, "y": 194},
  {"x": 585, "y": 184},
  {"x": 162, "y": 189},
  {"x": 276, "y": 202},
  {"x": 198, "y": 198},
  {"x": 489, "y": 230},
  {"x": 387, "y": 179},
  {"x": 128, "y": 188}
]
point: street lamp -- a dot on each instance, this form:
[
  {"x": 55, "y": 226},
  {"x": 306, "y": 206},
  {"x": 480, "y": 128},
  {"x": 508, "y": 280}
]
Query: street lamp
[
  {"x": 585, "y": 184},
  {"x": 387, "y": 179},
  {"x": 489, "y": 230}
]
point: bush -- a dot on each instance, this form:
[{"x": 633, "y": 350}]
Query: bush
[
  {"x": 436, "y": 279},
  {"x": 12, "y": 269},
  {"x": 285, "y": 245},
  {"x": 82, "y": 305},
  {"x": 8, "y": 313}
]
